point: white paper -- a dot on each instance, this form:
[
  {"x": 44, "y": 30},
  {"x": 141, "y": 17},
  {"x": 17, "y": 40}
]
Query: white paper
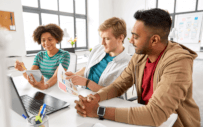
[
  {"x": 189, "y": 27},
  {"x": 65, "y": 85},
  {"x": 91, "y": 125}
]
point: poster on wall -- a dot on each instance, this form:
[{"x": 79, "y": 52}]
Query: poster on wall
[
  {"x": 7, "y": 20},
  {"x": 188, "y": 27}
]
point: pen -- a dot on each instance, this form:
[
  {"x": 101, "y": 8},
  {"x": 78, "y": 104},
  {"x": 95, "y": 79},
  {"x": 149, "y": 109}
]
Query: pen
[
  {"x": 40, "y": 111},
  {"x": 42, "y": 117},
  {"x": 22, "y": 65},
  {"x": 43, "y": 107},
  {"x": 24, "y": 116}
]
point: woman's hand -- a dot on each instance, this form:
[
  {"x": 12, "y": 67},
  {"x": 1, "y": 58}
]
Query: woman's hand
[
  {"x": 19, "y": 66},
  {"x": 39, "y": 85}
]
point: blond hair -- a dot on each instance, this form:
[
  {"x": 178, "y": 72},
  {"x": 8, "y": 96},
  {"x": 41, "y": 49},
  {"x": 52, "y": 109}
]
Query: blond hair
[{"x": 118, "y": 26}]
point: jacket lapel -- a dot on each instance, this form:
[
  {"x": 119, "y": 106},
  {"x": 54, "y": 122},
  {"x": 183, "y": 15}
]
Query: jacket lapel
[{"x": 139, "y": 75}]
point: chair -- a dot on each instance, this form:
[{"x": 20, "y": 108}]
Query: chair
[
  {"x": 73, "y": 63},
  {"x": 134, "y": 94},
  {"x": 197, "y": 85}
]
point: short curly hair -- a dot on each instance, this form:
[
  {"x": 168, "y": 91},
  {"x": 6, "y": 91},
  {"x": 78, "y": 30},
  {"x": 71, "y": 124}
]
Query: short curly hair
[{"x": 53, "y": 29}]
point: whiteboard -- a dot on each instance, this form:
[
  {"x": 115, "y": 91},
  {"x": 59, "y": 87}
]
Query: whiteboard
[{"x": 189, "y": 27}]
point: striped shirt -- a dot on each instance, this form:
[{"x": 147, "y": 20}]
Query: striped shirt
[{"x": 48, "y": 65}]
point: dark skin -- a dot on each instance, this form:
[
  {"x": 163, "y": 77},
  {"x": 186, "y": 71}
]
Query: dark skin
[
  {"x": 49, "y": 43},
  {"x": 87, "y": 107},
  {"x": 145, "y": 42}
]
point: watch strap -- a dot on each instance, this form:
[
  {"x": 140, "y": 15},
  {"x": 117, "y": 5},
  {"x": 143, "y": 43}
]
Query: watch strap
[{"x": 101, "y": 118}]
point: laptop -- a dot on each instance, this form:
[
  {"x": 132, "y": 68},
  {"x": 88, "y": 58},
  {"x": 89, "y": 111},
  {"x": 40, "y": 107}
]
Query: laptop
[{"x": 29, "y": 105}]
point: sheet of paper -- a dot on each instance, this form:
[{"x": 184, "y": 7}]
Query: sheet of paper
[
  {"x": 65, "y": 85},
  {"x": 91, "y": 125}
]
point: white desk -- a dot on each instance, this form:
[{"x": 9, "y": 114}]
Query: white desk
[{"x": 68, "y": 116}]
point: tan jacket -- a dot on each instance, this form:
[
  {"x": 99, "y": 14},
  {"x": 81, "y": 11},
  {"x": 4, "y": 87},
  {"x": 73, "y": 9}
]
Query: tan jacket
[{"x": 172, "y": 89}]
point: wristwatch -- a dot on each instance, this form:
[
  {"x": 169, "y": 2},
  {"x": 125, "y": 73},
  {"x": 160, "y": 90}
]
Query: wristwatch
[{"x": 101, "y": 112}]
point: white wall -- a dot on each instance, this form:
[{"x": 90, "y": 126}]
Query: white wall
[
  {"x": 17, "y": 45},
  {"x": 125, "y": 10},
  {"x": 98, "y": 12},
  {"x": 105, "y": 11},
  {"x": 93, "y": 22}
]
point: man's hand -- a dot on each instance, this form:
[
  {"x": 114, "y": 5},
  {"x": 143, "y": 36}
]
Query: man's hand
[
  {"x": 80, "y": 107},
  {"x": 40, "y": 85},
  {"x": 91, "y": 106},
  {"x": 87, "y": 106},
  {"x": 77, "y": 80},
  {"x": 69, "y": 73}
]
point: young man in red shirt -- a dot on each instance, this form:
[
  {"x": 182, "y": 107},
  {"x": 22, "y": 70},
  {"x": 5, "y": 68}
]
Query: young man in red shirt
[{"x": 162, "y": 73}]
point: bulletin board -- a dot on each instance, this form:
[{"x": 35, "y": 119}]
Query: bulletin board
[
  {"x": 7, "y": 20},
  {"x": 189, "y": 28}
]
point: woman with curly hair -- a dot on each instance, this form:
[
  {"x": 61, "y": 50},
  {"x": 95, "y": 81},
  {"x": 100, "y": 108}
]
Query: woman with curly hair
[{"x": 47, "y": 61}]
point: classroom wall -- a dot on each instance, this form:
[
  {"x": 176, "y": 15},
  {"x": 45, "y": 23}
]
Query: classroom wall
[
  {"x": 125, "y": 10},
  {"x": 17, "y": 45},
  {"x": 105, "y": 12},
  {"x": 93, "y": 22}
]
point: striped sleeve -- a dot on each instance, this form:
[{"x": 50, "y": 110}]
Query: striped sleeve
[
  {"x": 36, "y": 60},
  {"x": 65, "y": 60}
]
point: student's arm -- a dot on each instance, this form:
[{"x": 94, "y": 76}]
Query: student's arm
[
  {"x": 34, "y": 67},
  {"x": 91, "y": 102},
  {"x": 78, "y": 79},
  {"x": 94, "y": 86},
  {"x": 121, "y": 84},
  {"x": 52, "y": 81},
  {"x": 81, "y": 72},
  {"x": 65, "y": 64},
  {"x": 175, "y": 83}
]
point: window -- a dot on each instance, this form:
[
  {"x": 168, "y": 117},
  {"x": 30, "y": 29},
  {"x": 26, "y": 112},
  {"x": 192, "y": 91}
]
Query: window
[
  {"x": 70, "y": 15},
  {"x": 200, "y": 3},
  {"x": 166, "y": 5},
  {"x": 175, "y": 7}
]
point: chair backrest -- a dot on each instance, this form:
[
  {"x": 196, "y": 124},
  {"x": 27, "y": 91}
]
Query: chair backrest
[
  {"x": 198, "y": 85},
  {"x": 73, "y": 63}
]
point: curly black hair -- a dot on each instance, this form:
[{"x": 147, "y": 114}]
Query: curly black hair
[
  {"x": 158, "y": 20},
  {"x": 53, "y": 29}
]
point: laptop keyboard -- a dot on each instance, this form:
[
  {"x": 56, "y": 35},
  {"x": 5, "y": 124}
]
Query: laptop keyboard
[{"x": 32, "y": 106}]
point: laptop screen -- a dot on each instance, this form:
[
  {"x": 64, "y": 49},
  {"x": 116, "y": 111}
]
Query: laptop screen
[{"x": 17, "y": 104}]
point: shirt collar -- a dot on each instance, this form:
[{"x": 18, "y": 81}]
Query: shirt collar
[{"x": 120, "y": 56}]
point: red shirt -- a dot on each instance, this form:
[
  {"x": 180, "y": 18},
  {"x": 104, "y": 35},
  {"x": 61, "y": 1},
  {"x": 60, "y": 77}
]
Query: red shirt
[{"x": 147, "y": 80}]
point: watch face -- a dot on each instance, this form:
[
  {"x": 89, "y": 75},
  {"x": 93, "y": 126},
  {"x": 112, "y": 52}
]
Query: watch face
[{"x": 101, "y": 111}]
